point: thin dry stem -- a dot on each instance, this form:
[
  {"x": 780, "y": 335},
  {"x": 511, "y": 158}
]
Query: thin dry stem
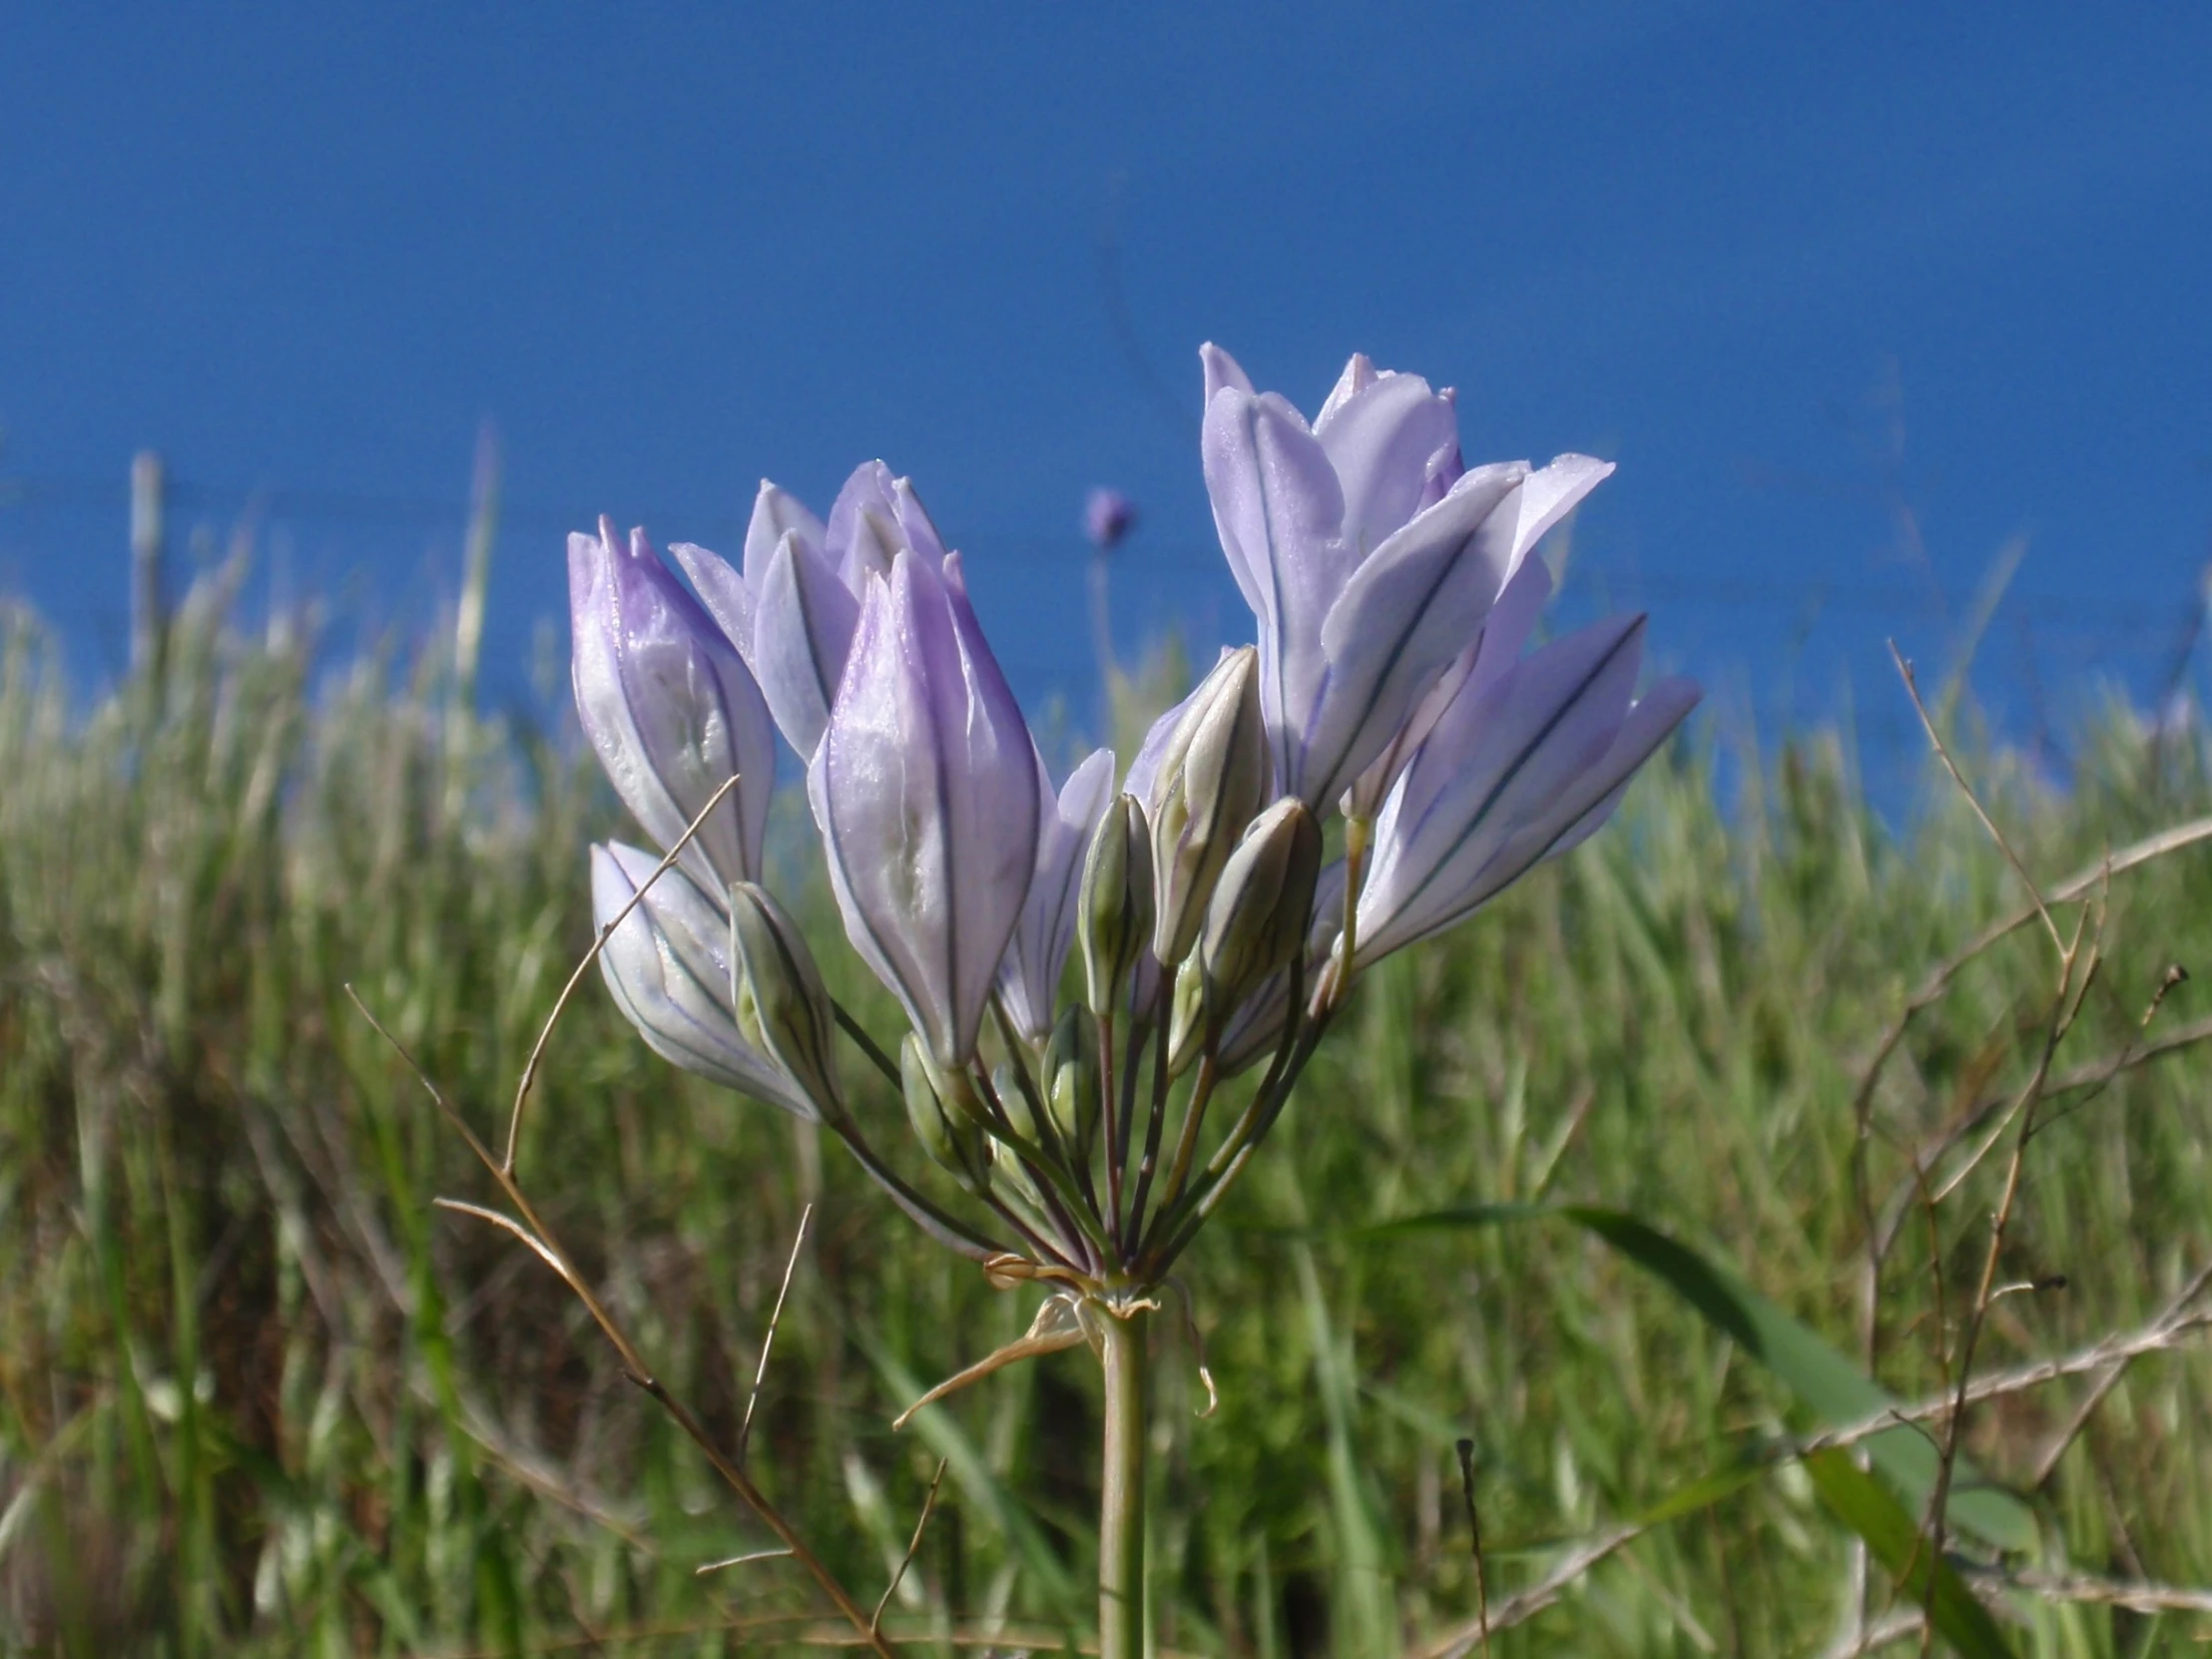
[
  {"x": 2157, "y": 1336},
  {"x": 913, "y": 1546},
  {"x": 1465, "y": 1450},
  {"x": 532, "y": 1230},
  {"x": 598, "y": 943},
  {"x": 1525, "y": 1605},
  {"x": 1942, "y": 752},
  {"x": 768, "y": 1343}
]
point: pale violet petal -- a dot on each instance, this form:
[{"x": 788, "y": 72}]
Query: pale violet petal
[
  {"x": 1500, "y": 757},
  {"x": 925, "y": 793},
  {"x": 776, "y": 513},
  {"x": 666, "y": 974},
  {"x": 1382, "y": 440},
  {"x": 804, "y": 619}
]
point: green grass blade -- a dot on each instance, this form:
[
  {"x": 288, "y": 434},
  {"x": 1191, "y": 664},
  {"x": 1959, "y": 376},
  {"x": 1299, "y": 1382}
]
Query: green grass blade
[
  {"x": 1922, "y": 1576},
  {"x": 1830, "y": 1388}
]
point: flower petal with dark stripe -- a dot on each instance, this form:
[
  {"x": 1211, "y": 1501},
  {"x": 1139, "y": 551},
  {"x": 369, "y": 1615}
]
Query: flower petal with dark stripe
[
  {"x": 1525, "y": 761},
  {"x": 924, "y": 788}
]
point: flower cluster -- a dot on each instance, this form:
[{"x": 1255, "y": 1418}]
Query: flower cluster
[{"x": 1392, "y": 709}]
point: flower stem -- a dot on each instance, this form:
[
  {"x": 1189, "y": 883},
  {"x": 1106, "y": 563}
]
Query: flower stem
[{"x": 1121, "y": 1598}]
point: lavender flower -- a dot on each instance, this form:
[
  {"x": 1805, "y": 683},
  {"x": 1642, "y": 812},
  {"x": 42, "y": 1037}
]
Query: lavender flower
[
  {"x": 1367, "y": 552},
  {"x": 1108, "y": 515},
  {"x": 668, "y": 705},
  {"x": 1395, "y": 591},
  {"x": 924, "y": 786},
  {"x": 668, "y": 965},
  {"x": 1029, "y": 978}
]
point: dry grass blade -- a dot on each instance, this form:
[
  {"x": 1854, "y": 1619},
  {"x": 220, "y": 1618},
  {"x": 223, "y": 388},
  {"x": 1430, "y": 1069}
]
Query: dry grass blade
[
  {"x": 745, "y": 1560},
  {"x": 1942, "y": 752},
  {"x": 513, "y": 1228},
  {"x": 2136, "y": 1595},
  {"x": 1525, "y": 1605},
  {"x": 768, "y": 1343},
  {"x": 914, "y": 1545}
]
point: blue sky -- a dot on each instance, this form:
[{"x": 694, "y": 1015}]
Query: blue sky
[{"x": 1853, "y": 295}]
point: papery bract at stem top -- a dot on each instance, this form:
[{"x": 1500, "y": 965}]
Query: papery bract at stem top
[{"x": 926, "y": 789}]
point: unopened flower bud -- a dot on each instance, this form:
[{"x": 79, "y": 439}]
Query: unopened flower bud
[
  {"x": 1211, "y": 780},
  {"x": 1263, "y": 908},
  {"x": 1014, "y": 1099},
  {"x": 1070, "y": 1073},
  {"x": 951, "y": 1136},
  {"x": 1114, "y": 913},
  {"x": 1187, "y": 1015},
  {"x": 781, "y": 1006}
]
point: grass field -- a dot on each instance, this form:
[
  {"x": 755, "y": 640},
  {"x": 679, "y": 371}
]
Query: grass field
[{"x": 257, "y": 1397}]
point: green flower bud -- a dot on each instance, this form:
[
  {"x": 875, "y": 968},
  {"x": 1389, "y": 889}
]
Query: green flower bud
[
  {"x": 781, "y": 1004},
  {"x": 1113, "y": 914},
  {"x": 1070, "y": 1072},
  {"x": 1007, "y": 1084},
  {"x": 1260, "y": 913},
  {"x": 1211, "y": 780},
  {"x": 1187, "y": 1016},
  {"x": 953, "y": 1139}
]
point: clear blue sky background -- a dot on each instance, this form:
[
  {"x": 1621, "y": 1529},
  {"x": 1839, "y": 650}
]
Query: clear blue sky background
[{"x": 1854, "y": 294}]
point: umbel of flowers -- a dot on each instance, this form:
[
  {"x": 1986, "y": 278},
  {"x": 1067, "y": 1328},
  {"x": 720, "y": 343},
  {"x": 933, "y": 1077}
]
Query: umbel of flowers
[{"x": 1094, "y": 1112}]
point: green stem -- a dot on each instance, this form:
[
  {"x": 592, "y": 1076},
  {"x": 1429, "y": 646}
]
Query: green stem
[{"x": 1121, "y": 1600}]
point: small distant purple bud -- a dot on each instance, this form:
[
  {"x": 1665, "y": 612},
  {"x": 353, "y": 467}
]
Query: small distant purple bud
[{"x": 1108, "y": 515}]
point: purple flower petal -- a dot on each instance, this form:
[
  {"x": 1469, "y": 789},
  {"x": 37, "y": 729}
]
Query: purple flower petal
[
  {"x": 669, "y": 705},
  {"x": 1029, "y": 978},
  {"x": 1384, "y": 438},
  {"x": 668, "y": 967},
  {"x": 925, "y": 789},
  {"x": 1502, "y": 758},
  {"x": 862, "y": 537},
  {"x": 777, "y": 513},
  {"x": 803, "y": 633}
]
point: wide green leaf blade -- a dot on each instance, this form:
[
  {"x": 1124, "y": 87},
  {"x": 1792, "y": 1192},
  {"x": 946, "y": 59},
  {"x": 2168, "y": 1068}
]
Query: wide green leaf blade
[
  {"x": 1922, "y": 1576},
  {"x": 1832, "y": 1389}
]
